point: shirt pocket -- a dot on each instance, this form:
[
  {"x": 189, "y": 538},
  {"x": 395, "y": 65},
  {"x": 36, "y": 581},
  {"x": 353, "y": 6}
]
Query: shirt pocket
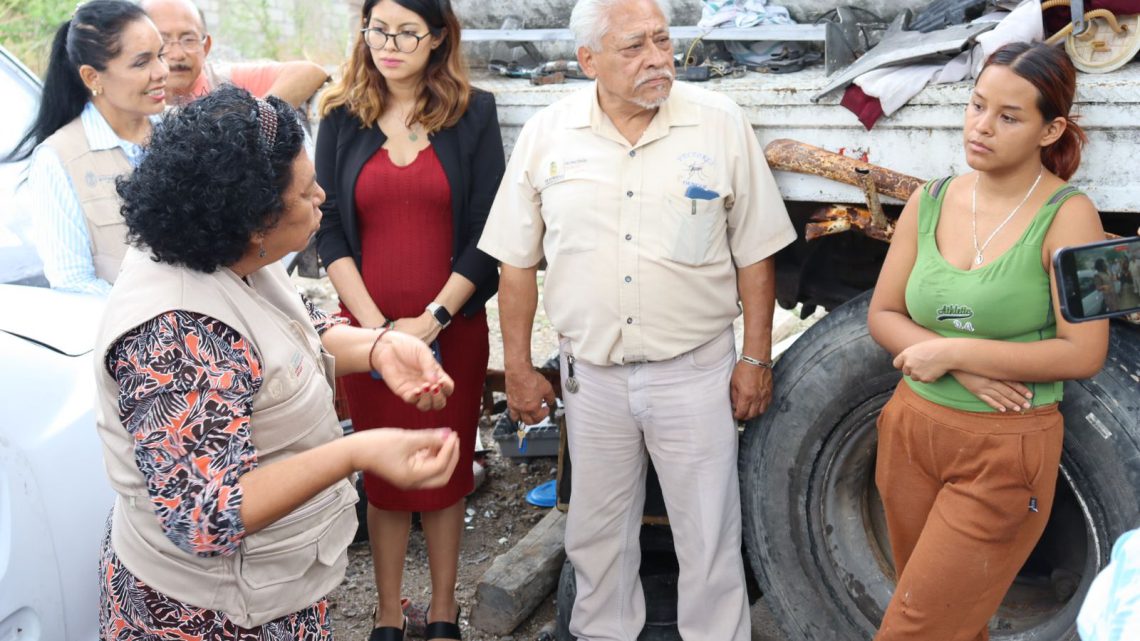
[
  {"x": 570, "y": 216},
  {"x": 693, "y": 230}
]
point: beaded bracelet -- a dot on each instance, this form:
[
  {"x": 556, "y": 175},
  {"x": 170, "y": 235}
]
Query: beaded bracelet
[
  {"x": 376, "y": 373},
  {"x": 756, "y": 362}
]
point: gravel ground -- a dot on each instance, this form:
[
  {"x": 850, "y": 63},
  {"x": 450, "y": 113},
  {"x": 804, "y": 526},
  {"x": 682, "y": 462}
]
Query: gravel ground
[{"x": 497, "y": 511}]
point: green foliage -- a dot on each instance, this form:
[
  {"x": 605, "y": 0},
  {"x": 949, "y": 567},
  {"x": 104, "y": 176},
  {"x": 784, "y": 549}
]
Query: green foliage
[
  {"x": 27, "y": 27},
  {"x": 250, "y": 28},
  {"x": 254, "y": 28}
]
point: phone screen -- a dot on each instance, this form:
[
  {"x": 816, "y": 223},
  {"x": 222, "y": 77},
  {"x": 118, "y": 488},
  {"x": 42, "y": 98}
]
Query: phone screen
[{"x": 1099, "y": 280}]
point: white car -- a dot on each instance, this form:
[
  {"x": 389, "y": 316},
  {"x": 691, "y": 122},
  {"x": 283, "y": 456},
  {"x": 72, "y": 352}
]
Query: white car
[{"x": 54, "y": 493}]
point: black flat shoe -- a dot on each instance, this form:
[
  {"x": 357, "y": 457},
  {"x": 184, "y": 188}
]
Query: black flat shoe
[
  {"x": 443, "y": 629},
  {"x": 388, "y": 633}
]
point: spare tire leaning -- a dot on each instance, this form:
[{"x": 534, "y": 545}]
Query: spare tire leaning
[{"x": 813, "y": 524}]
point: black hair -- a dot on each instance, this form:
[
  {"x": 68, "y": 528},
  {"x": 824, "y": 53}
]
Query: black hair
[
  {"x": 434, "y": 12},
  {"x": 210, "y": 180},
  {"x": 91, "y": 37},
  {"x": 1100, "y": 265}
]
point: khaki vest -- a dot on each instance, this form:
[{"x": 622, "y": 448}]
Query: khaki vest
[
  {"x": 93, "y": 175},
  {"x": 301, "y": 557}
]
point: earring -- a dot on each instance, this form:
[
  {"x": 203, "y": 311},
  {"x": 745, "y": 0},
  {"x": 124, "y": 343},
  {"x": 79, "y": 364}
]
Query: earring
[
  {"x": 261, "y": 251},
  {"x": 95, "y": 92}
]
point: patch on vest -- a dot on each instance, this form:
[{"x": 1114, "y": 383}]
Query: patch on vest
[
  {"x": 297, "y": 364},
  {"x": 94, "y": 179},
  {"x": 958, "y": 315}
]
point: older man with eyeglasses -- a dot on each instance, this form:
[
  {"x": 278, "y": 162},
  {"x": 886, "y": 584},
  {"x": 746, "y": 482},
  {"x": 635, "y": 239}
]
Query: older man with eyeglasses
[
  {"x": 183, "y": 28},
  {"x": 657, "y": 214}
]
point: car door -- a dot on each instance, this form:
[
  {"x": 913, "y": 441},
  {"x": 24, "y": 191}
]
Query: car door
[{"x": 54, "y": 493}]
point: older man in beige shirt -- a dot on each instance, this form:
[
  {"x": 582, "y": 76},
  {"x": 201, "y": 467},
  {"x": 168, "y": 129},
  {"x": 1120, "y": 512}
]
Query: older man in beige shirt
[{"x": 657, "y": 214}]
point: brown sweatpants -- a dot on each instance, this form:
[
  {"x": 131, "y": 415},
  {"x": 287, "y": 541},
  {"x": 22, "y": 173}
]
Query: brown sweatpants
[{"x": 967, "y": 496}]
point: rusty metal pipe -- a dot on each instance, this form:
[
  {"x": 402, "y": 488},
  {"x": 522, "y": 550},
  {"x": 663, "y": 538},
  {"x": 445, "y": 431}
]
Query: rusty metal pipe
[{"x": 801, "y": 158}]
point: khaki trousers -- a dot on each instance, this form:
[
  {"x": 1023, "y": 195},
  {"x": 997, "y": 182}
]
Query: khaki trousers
[
  {"x": 678, "y": 412},
  {"x": 967, "y": 496}
]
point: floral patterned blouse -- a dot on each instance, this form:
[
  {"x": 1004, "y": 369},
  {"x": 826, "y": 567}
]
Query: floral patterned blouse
[{"x": 186, "y": 388}]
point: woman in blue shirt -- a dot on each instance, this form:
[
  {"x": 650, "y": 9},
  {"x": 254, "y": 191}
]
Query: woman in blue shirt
[{"x": 105, "y": 83}]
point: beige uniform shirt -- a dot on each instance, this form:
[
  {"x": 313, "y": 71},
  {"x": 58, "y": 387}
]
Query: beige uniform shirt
[{"x": 641, "y": 241}]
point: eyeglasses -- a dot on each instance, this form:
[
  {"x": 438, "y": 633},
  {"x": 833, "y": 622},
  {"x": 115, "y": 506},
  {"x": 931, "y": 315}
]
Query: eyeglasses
[
  {"x": 406, "y": 41},
  {"x": 189, "y": 43}
]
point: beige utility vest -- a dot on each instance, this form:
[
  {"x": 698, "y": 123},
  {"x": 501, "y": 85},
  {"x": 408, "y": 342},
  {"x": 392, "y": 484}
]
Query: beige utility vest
[
  {"x": 93, "y": 175},
  {"x": 292, "y": 563}
]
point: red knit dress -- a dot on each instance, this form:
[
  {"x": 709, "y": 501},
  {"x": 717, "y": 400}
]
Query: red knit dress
[{"x": 405, "y": 224}]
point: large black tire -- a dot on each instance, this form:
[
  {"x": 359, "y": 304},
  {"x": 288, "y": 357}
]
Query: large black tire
[
  {"x": 658, "y": 579},
  {"x": 813, "y": 523}
]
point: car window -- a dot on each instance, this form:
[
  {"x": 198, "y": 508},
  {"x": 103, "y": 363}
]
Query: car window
[{"x": 19, "y": 262}]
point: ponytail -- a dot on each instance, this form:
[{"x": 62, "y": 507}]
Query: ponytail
[
  {"x": 1051, "y": 72},
  {"x": 91, "y": 37},
  {"x": 1064, "y": 155},
  {"x": 63, "y": 98}
]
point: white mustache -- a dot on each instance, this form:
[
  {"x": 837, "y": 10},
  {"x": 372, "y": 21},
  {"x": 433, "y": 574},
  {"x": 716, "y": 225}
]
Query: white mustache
[{"x": 653, "y": 75}]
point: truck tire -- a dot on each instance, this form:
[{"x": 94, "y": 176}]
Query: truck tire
[
  {"x": 658, "y": 579},
  {"x": 813, "y": 523}
]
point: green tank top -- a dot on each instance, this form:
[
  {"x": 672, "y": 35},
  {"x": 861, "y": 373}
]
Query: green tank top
[{"x": 1008, "y": 299}]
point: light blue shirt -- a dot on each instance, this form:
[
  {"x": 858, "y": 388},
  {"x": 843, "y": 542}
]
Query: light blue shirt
[
  {"x": 59, "y": 228},
  {"x": 1111, "y": 611}
]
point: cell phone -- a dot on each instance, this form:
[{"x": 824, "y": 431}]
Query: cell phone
[{"x": 1098, "y": 280}]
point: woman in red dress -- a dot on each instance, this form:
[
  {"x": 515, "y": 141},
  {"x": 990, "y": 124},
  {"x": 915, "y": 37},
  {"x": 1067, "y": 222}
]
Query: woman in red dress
[{"x": 410, "y": 157}]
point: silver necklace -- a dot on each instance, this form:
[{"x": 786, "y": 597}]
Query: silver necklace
[{"x": 974, "y": 221}]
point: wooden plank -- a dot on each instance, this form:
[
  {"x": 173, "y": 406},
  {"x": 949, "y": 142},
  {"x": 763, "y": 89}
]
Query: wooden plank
[
  {"x": 518, "y": 581},
  {"x": 799, "y": 32}
]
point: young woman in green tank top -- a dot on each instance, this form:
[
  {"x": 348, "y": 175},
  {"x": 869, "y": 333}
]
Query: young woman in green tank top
[{"x": 970, "y": 443}]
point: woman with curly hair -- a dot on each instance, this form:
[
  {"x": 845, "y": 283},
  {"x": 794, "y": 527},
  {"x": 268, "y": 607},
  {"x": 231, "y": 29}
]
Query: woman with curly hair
[
  {"x": 411, "y": 156},
  {"x": 106, "y": 81},
  {"x": 215, "y": 392},
  {"x": 970, "y": 442}
]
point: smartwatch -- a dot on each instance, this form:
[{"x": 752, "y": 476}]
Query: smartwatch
[{"x": 440, "y": 314}]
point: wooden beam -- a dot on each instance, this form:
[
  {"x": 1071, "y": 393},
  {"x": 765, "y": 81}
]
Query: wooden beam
[{"x": 518, "y": 581}]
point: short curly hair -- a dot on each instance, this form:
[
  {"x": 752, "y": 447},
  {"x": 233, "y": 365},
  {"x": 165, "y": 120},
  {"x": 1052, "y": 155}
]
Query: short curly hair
[{"x": 208, "y": 181}]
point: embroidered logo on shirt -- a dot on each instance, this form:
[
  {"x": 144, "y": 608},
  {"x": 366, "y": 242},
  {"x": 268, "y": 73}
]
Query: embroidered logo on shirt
[
  {"x": 957, "y": 315},
  {"x": 557, "y": 171},
  {"x": 693, "y": 169}
]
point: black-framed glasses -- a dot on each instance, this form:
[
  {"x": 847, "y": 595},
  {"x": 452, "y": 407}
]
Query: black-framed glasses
[
  {"x": 406, "y": 41},
  {"x": 190, "y": 43}
]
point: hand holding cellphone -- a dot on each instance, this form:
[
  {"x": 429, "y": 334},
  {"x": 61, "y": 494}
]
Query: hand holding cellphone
[{"x": 1098, "y": 280}]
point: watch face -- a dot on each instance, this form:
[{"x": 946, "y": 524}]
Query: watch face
[{"x": 441, "y": 314}]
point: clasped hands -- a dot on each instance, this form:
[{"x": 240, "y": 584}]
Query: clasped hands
[{"x": 928, "y": 361}]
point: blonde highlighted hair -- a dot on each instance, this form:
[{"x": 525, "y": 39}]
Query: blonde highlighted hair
[{"x": 446, "y": 89}]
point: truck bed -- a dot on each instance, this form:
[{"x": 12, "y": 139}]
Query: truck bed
[{"x": 923, "y": 139}]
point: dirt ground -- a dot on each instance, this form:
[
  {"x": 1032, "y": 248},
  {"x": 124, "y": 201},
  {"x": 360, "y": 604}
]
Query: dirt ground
[{"x": 498, "y": 514}]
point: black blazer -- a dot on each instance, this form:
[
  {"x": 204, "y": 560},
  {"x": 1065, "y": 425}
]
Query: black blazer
[{"x": 471, "y": 153}]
